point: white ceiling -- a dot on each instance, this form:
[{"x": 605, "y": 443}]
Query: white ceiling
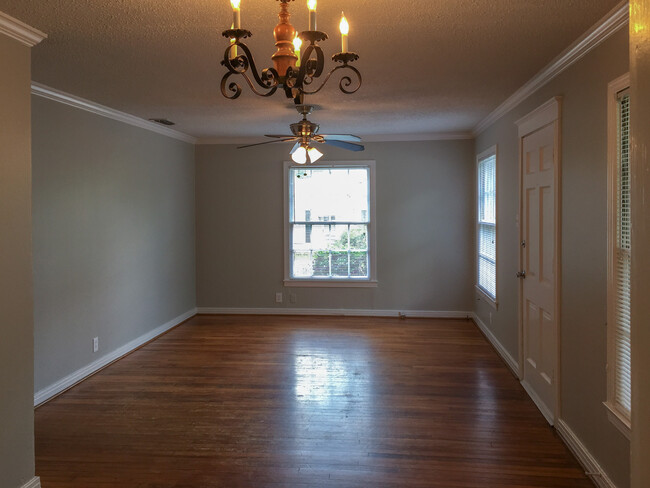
[{"x": 428, "y": 66}]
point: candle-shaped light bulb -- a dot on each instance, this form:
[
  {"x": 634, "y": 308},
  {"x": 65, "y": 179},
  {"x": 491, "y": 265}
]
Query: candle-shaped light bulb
[
  {"x": 236, "y": 14},
  {"x": 345, "y": 30},
  {"x": 311, "y": 5},
  {"x": 233, "y": 50},
  {"x": 297, "y": 44}
]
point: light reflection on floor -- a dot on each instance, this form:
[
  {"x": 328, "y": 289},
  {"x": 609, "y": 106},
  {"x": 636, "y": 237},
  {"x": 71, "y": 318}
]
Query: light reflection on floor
[
  {"x": 333, "y": 401},
  {"x": 320, "y": 377}
]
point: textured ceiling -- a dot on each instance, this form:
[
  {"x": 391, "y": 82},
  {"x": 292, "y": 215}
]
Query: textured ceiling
[{"x": 428, "y": 66}]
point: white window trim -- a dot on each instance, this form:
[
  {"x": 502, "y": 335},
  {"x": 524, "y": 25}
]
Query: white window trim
[
  {"x": 480, "y": 292},
  {"x": 371, "y": 281},
  {"x": 615, "y": 414}
]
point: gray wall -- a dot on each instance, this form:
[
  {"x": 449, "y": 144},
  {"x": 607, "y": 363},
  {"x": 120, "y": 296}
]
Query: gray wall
[
  {"x": 16, "y": 318},
  {"x": 584, "y": 245},
  {"x": 424, "y": 228},
  {"x": 113, "y": 235}
]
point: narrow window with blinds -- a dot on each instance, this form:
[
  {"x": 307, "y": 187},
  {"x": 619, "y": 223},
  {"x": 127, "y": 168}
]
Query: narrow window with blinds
[
  {"x": 619, "y": 365},
  {"x": 486, "y": 225},
  {"x": 329, "y": 223}
]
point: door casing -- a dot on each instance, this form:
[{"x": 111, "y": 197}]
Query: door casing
[{"x": 548, "y": 113}]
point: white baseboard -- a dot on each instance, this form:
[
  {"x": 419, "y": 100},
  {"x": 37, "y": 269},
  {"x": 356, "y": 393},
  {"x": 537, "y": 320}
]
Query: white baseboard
[
  {"x": 35, "y": 482},
  {"x": 503, "y": 352},
  {"x": 588, "y": 462},
  {"x": 541, "y": 406},
  {"x": 65, "y": 383},
  {"x": 593, "y": 470},
  {"x": 335, "y": 312}
]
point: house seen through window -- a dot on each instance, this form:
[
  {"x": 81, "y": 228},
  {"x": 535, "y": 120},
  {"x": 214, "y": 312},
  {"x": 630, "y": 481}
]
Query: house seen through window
[{"x": 329, "y": 221}]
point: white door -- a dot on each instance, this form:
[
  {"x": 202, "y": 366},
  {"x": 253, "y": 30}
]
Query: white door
[{"x": 539, "y": 258}]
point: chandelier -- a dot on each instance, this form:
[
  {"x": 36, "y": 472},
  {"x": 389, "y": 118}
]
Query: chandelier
[{"x": 294, "y": 69}]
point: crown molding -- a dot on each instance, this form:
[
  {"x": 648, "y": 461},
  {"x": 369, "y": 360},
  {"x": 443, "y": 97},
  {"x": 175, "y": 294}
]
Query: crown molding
[
  {"x": 608, "y": 25},
  {"x": 425, "y": 136},
  {"x": 20, "y": 31},
  {"x": 95, "y": 108}
]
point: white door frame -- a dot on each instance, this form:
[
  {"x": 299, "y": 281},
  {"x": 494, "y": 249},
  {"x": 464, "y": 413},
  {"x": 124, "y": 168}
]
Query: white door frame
[{"x": 546, "y": 114}]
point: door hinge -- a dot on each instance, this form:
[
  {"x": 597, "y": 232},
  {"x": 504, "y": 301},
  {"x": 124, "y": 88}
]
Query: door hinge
[
  {"x": 523, "y": 243},
  {"x": 521, "y": 274}
]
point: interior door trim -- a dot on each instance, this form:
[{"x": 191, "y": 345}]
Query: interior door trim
[{"x": 546, "y": 114}]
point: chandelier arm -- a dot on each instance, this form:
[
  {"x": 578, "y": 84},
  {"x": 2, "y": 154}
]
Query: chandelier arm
[
  {"x": 233, "y": 87},
  {"x": 236, "y": 64},
  {"x": 344, "y": 83},
  {"x": 271, "y": 90},
  {"x": 320, "y": 62},
  {"x": 308, "y": 70},
  {"x": 240, "y": 65}
]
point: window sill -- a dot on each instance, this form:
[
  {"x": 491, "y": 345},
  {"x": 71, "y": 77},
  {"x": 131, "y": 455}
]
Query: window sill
[
  {"x": 486, "y": 298},
  {"x": 619, "y": 421},
  {"x": 331, "y": 283}
]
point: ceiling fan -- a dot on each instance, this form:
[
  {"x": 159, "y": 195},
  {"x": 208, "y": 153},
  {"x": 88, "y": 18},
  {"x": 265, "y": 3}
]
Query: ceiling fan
[{"x": 305, "y": 133}]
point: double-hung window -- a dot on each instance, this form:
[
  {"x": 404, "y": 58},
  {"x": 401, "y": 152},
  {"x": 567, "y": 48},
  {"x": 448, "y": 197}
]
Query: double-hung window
[
  {"x": 619, "y": 257},
  {"x": 486, "y": 231},
  {"x": 329, "y": 224}
]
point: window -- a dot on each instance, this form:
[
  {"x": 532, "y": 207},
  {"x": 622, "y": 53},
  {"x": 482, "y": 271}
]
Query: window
[
  {"x": 329, "y": 224},
  {"x": 486, "y": 264},
  {"x": 619, "y": 257}
]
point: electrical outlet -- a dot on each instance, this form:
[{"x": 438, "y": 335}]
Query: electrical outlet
[
  {"x": 278, "y": 298},
  {"x": 293, "y": 298},
  {"x": 95, "y": 344}
]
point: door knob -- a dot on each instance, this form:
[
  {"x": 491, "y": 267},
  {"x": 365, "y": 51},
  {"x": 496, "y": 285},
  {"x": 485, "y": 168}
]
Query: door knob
[{"x": 521, "y": 274}]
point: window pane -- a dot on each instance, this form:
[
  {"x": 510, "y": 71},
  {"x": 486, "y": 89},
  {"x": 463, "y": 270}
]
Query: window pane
[
  {"x": 624, "y": 230},
  {"x": 319, "y": 237},
  {"x": 340, "y": 264},
  {"x": 487, "y": 239},
  {"x": 321, "y": 263},
  {"x": 302, "y": 265},
  {"x": 359, "y": 237},
  {"x": 359, "y": 264},
  {"x": 330, "y": 237},
  {"x": 333, "y": 251},
  {"x": 330, "y": 194},
  {"x": 487, "y": 276},
  {"x": 487, "y": 190}
]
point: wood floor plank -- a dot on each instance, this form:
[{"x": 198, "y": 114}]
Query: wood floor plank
[{"x": 318, "y": 402}]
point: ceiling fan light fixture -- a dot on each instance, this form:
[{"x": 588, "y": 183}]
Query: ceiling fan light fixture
[
  {"x": 314, "y": 154},
  {"x": 300, "y": 155},
  {"x": 305, "y": 154},
  {"x": 304, "y": 134}
]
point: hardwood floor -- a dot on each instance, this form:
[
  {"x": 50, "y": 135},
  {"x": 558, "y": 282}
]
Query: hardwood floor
[{"x": 247, "y": 401}]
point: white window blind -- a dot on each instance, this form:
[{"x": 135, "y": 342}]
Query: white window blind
[
  {"x": 622, "y": 263},
  {"x": 486, "y": 232},
  {"x": 329, "y": 219}
]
